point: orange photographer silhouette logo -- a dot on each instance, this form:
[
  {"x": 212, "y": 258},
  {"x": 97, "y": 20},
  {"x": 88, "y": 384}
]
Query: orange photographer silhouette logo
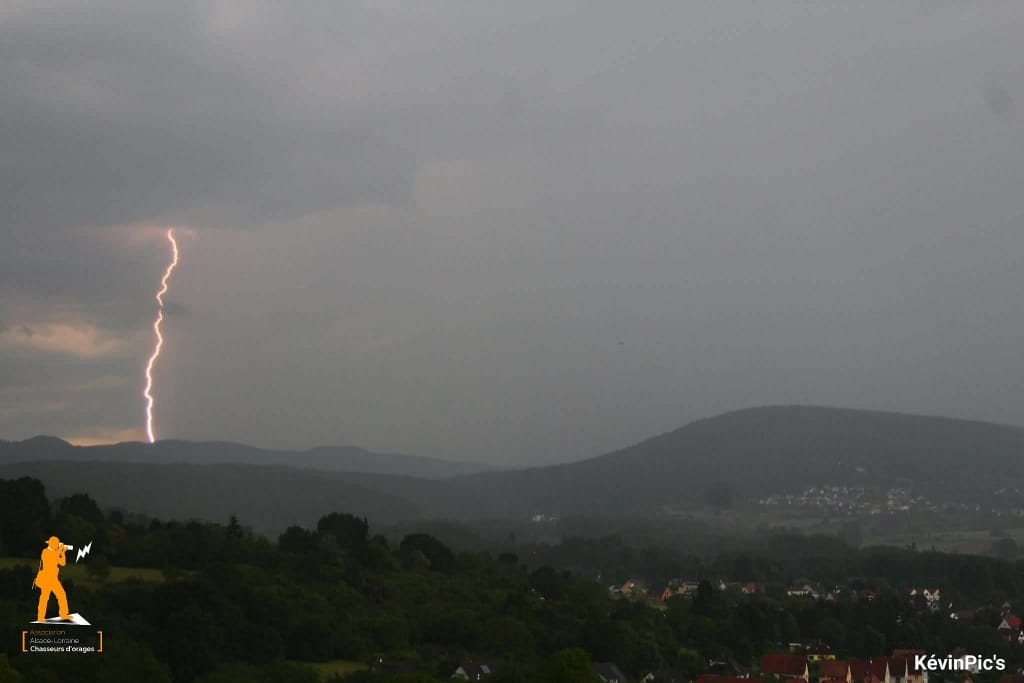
[
  {"x": 48, "y": 581},
  {"x": 68, "y": 632}
]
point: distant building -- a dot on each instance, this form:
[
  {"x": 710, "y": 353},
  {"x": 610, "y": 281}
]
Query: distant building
[
  {"x": 1010, "y": 626},
  {"x": 476, "y": 670},
  {"x": 805, "y": 590},
  {"x": 727, "y": 669},
  {"x": 897, "y": 669},
  {"x": 609, "y": 673},
  {"x": 913, "y": 674},
  {"x": 873, "y": 671},
  {"x": 786, "y": 666},
  {"x": 834, "y": 671}
]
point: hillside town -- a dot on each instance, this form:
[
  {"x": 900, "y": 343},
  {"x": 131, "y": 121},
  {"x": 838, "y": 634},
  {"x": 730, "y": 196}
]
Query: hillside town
[
  {"x": 902, "y": 666},
  {"x": 816, "y": 660},
  {"x": 855, "y": 501}
]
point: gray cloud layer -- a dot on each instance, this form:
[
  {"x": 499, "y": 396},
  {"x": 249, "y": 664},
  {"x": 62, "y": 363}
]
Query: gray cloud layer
[{"x": 508, "y": 231}]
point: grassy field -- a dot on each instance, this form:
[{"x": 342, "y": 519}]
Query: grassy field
[
  {"x": 946, "y": 532},
  {"x": 335, "y": 667},
  {"x": 975, "y": 542},
  {"x": 79, "y": 574}
]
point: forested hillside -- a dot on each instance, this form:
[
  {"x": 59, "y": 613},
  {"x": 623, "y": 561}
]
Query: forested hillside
[{"x": 211, "y": 602}]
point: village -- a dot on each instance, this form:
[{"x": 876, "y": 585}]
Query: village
[
  {"x": 854, "y": 501},
  {"x": 903, "y": 666},
  {"x": 815, "y": 661},
  {"x": 858, "y": 500}
]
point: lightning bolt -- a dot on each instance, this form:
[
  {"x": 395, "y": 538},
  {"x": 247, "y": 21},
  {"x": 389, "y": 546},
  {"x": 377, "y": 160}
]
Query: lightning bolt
[
  {"x": 148, "y": 391},
  {"x": 82, "y": 552}
]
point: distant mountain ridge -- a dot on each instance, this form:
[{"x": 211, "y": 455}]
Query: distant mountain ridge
[
  {"x": 757, "y": 452},
  {"x": 770, "y": 450},
  {"x": 267, "y": 497},
  {"x": 329, "y": 458}
]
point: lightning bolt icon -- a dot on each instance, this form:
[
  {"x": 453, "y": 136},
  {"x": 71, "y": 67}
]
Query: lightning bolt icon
[
  {"x": 148, "y": 391},
  {"x": 82, "y": 552}
]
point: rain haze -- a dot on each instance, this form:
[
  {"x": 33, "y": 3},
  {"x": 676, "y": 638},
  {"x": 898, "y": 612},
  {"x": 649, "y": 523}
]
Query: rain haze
[{"x": 515, "y": 233}]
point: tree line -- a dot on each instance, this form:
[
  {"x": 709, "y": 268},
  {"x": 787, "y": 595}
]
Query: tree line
[{"x": 231, "y": 605}]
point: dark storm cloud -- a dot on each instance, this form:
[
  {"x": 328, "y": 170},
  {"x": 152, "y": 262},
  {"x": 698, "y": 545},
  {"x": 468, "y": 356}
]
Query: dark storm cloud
[
  {"x": 115, "y": 114},
  {"x": 119, "y": 111},
  {"x": 231, "y": 114},
  {"x": 427, "y": 226}
]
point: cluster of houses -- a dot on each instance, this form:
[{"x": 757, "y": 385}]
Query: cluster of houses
[
  {"x": 480, "y": 671},
  {"x": 807, "y": 590},
  {"x": 1010, "y": 627},
  {"x": 860, "y": 500},
  {"x": 636, "y": 589},
  {"x": 796, "y": 668},
  {"x": 901, "y": 667},
  {"x": 853, "y": 500},
  {"x": 785, "y": 668}
]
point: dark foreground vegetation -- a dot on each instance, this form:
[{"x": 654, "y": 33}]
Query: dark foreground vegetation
[{"x": 227, "y": 605}]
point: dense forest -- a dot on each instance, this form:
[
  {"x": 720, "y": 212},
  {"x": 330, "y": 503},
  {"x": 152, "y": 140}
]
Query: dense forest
[{"x": 230, "y": 605}]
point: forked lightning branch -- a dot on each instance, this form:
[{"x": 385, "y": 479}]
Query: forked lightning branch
[{"x": 148, "y": 391}]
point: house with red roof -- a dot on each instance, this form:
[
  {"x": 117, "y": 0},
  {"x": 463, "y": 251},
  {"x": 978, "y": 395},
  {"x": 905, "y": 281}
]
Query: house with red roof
[
  {"x": 914, "y": 673},
  {"x": 1009, "y": 627},
  {"x": 897, "y": 669},
  {"x": 1010, "y": 621},
  {"x": 873, "y": 671},
  {"x": 859, "y": 670},
  {"x": 834, "y": 671},
  {"x": 785, "y": 666}
]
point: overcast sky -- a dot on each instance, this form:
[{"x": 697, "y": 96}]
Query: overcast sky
[{"x": 514, "y": 232}]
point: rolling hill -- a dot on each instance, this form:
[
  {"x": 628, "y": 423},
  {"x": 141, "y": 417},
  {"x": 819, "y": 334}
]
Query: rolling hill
[
  {"x": 267, "y": 497},
  {"x": 328, "y": 458},
  {"x": 756, "y": 452},
  {"x": 771, "y": 450}
]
